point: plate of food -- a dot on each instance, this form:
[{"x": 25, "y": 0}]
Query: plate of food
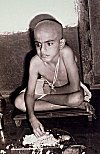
[{"x": 54, "y": 141}]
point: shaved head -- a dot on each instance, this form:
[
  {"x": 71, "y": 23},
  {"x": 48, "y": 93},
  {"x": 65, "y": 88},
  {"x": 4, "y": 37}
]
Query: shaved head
[{"x": 49, "y": 26}]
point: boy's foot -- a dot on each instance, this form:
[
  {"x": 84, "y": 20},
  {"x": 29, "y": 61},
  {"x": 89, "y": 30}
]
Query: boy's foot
[{"x": 89, "y": 108}]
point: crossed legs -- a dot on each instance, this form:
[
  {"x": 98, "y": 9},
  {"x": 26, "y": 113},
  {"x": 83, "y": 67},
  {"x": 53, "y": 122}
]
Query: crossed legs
[{"x": 51, "y": 102}]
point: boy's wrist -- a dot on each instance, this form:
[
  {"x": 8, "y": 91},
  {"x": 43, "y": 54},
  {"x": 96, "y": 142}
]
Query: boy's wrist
[{"x": 31, "y": 117}]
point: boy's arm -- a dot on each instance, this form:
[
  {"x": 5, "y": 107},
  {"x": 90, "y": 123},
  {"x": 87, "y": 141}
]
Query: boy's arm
[
  {"x": 72, "y": 72},
  {"x": 30, "y": 91},
  {"x": 30, "y": 99}
]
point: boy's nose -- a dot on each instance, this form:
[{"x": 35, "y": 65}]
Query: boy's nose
[{"x": 43, "y": 47}]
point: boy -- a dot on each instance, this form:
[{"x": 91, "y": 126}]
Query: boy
[{"x": 55, "y": 62}]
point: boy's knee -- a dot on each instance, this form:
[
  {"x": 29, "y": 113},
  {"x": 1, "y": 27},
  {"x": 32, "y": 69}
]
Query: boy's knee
[
  {"x": 75, "y": 99},
  {"x": 19, "y": 103},
  {"x": 79, "y": 98}
]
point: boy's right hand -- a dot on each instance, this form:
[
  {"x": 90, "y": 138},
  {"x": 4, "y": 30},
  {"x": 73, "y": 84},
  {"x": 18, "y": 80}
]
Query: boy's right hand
[{"x": 38, "y": 128}]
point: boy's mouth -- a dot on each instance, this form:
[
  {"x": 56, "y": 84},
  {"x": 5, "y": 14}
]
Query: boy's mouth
[{"x": 44, "y": 56}]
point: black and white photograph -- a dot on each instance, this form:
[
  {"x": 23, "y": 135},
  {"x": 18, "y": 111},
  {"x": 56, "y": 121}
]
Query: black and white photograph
[{"x": 49, "y": 77}]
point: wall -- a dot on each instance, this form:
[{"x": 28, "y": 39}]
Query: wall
[
  {"x": 13, "y": 49},
  {"x": 94, "y": 16},
  {"x": 89, "y": 38}
]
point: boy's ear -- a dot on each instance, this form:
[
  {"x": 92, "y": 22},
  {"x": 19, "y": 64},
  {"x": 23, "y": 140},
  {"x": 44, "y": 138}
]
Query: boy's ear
[{"x": 62, "y": 43}]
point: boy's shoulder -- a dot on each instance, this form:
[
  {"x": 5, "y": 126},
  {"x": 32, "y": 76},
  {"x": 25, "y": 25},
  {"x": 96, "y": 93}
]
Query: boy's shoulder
[
  {"x": 35, "y": 61},
  {"x": 66, "y": 51}
]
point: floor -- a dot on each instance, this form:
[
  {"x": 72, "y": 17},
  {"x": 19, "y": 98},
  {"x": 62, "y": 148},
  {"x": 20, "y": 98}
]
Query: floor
[{"x": 84, "y": 132}]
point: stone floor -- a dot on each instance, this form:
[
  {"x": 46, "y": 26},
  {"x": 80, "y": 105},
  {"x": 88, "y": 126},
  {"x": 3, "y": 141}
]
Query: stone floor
[{"x": 84, "y": 132}]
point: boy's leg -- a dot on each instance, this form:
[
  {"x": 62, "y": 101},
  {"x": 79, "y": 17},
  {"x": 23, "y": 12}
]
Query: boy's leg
[
  {"x": 69, "y": 100},
  {"x": 40, "y": 105},
  {"x": 48, "y": 102},
  {"x": 20, "y": 103},
  {"x": 74, "y": 100},
  {"x": 52, "y": 104}
]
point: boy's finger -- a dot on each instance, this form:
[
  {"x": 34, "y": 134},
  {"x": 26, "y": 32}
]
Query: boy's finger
[
  {"x": 39, "y": 132},
  {"x": 36, "y": 133},
  {"x": 42, "y": 129}
]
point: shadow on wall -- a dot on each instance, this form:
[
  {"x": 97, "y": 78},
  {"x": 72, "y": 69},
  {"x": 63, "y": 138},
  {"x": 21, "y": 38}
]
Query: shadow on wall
[
  {"x": 25, "y": 77},
  {"x": 26, "y": 64}
]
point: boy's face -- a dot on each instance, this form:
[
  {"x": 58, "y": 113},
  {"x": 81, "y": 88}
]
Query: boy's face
[{"x": 47, "y": 42}]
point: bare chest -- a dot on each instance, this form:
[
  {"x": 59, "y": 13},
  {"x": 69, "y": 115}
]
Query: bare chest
[{"x": 49, "y": 72}]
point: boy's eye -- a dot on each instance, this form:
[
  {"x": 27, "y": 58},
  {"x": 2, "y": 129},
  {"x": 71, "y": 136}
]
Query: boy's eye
[
  {"x": 38, "y": 45},
  {"x": 49, "y": 43}
]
